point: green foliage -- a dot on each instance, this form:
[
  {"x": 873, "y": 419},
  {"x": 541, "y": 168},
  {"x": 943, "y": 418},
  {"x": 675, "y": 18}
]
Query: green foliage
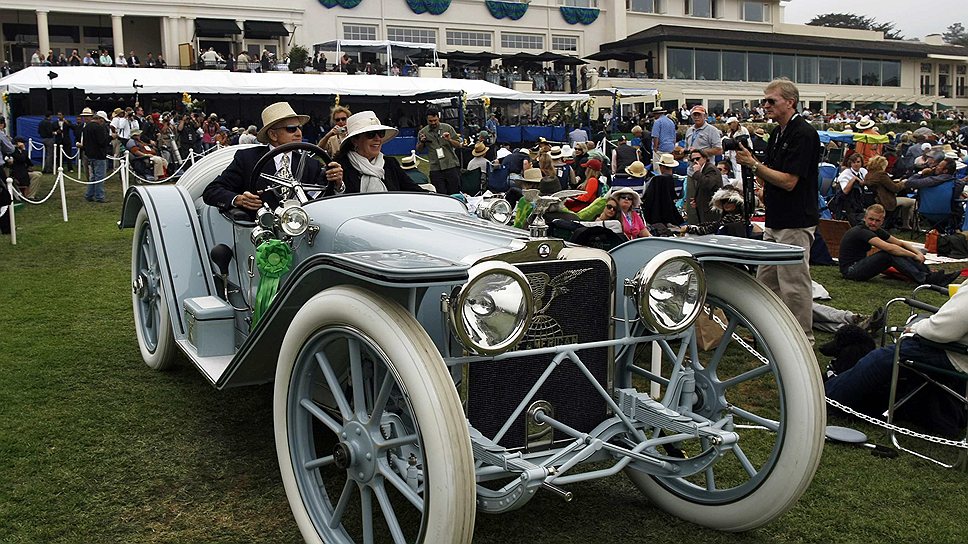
[
  {"x": 857, "y": 22},
  {"x": 97, "y": 448},
  {"x": 298, "y": 58},
  {"x": 956, "y": 35}
]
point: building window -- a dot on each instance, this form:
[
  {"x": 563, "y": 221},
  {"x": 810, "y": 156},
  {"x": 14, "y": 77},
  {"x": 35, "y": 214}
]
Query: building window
[
  {"x": 716, "y": 106},
  {"x": 734, "y": 66},
  {"x": 579, "y": 3},
  {"x": 829, "y": 71},
  {"x": 759, "y": 67},
  {"x": 352, "y": 31},
  {"x": 785, "y": 66},
  {"x": 944, "y": 68},
  {"x": 680, "y": 63},
  {"x": 643, "y": 6},
  {"x": 849, "y": 72},
  {"x": 926, "y": 86},
  {"x": 807, "y": 68},
  {"x": 925, "y": 67},
  {"x": 960, "y": 90},
  {"x": 512, "y": 40},
  {"x": 707, "y": 65},
  {"x": 468, "y": 38},
  {"x": 757, "y": 12},
  {"x": 871, "y": 73},
  {"x": 701, "y": 8},
  {"x": 564, "y": 43},
  {"x": 412, "y": 35}
]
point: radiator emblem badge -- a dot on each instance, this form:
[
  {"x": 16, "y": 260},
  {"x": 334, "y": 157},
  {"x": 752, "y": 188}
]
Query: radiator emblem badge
[
  {"x": 544, "y": 250},
  {"x": 545, "y": 331}
]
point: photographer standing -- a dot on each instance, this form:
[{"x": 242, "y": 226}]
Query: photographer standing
[
  {"x": 333, "y": 140},
  {"x": 736, "y": 131},
  {"x": 789, "y": 176},
  {"x": 441, "y": 141},
  {"x": 187, "y": 135}
]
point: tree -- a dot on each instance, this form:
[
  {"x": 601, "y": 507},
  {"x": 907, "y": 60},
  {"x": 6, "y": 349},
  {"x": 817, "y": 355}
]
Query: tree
[
  {"x": 956, "y": 35},
  {"x": 857, "y": 22},
  {"x": 298, "y": 58}
]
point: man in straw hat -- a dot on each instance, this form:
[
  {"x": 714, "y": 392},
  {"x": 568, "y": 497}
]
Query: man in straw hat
[
  {"x": 660, "y": 194},
  {"x": 868, "y": 149},
  {"x": 663, "y": 134},
  {"x": 235, "y": 186},
  {"x": 478, "y": 162}
]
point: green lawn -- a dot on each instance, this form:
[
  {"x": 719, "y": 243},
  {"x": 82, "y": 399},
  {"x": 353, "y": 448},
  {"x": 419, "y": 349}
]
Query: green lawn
[{"x": 95, "y": 447}]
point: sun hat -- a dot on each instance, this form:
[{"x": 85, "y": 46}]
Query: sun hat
[
  {"x": 924, "y": 123},
  {"x": 618, "y": 192},
  {"x": 275, "y": 113},
  {"x": 524, "y": 150},
  {"x": 86, "y": 112},
  {"x": 135, "y": 132},
  {"x": 732, "y": 120},
  {"x": 759, "y": 131},
  {"x": 479, "y": 149},
  {"x": 566, "y": 151},
  {"x": 636, "y": 130},
  {"x": 636, "y": 169},
  {"x": 667, "y": 160},
  {"x": 102, "y": 115},
  {"x": 409, "y": 162},
  {"x": 594, "y": 164},
  {"x": 366, "y": 121},
  {"x": 555, "y": 152},
  {"x": 698, "y": 108},
  {"x": 532, "y": 175},
  {"x": 117, "y": 111},
  {"x": 549, "y": 185},
  {"x": 726, "y": 194},
  {"x": 503, "y": 152},
  {"x": 865, "y": 123},
  {"x": 658, "y": 110}
]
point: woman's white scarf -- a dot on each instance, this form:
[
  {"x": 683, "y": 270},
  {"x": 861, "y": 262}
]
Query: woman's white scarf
[{"x": 371, "y": 172}]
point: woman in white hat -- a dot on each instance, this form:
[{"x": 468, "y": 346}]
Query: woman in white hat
[
  {"x": 629, "y": 203},
  {"x": 365, "y": 168}
]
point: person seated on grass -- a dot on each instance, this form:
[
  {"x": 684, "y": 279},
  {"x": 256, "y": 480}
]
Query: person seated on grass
[
  {"x": 866, "y": 386},
  {"x": 857, "y": 265}
]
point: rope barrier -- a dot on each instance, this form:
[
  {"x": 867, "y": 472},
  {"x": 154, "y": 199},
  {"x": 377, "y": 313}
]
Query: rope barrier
[{"x": 27, "y": 200}]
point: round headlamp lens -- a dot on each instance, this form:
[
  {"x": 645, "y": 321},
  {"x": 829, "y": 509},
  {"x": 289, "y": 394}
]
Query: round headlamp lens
[
  {"x": 493, "y": 310},
  {"x": 500, "y": 211},
  {"x": 671, "y": 292},
  {"x": 294, "y": 221}
]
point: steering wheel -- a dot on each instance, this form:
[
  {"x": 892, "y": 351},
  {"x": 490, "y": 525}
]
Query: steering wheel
[{"x": 296, "y": 187}]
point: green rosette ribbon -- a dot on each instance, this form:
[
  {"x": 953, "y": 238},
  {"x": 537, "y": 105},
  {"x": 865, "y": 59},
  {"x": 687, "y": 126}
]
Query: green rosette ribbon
[{"x": 273, "y": 258}]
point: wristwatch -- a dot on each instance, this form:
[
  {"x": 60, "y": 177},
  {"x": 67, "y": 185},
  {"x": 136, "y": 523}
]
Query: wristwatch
[{"x": 756, "y": 165}]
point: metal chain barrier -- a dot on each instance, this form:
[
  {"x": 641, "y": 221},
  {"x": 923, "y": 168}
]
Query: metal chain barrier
[{"x": 963, "y": 444}]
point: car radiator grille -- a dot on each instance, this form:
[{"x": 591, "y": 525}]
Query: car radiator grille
[{"x": 572, "y": 303}]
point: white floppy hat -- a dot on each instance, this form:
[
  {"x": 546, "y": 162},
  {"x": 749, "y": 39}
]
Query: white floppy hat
[
  {"x": 865, "y": 123},
  {"x": 102, "y": 114},
  {"x": 618, "y": 192},
  {"x": 566, "y": 151},
  {"x": 275, "y": 113},
  {"x": 366, "y": 121}
]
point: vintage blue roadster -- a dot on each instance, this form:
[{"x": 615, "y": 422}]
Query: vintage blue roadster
[{"x": 429, "y": 364}]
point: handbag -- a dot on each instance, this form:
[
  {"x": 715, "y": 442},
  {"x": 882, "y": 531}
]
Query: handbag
[
  {"x": 708, "y": 332},
  {"x": 931, "y": 241}
]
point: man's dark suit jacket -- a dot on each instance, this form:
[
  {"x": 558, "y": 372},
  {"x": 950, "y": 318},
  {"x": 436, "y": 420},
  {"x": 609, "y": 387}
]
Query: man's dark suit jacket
[
  {"x": 235, "y": 179},
  {"x": 395, "y": 177}
]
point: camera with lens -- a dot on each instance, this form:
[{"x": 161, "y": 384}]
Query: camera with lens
[{"x": 733, "y": 144}]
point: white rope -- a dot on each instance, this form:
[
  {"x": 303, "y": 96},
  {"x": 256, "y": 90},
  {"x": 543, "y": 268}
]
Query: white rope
[
  {"x": 131, "y": 172},
  {"x": 70, "y": 157},
  {"x": 109, "y": 176},
  {"x": 24, "y": 198}
]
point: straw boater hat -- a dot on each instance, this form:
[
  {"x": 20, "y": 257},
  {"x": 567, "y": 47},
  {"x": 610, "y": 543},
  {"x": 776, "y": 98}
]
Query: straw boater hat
[
  {"x": 726, "y": 194},
  {"x": 532, "y": 175},
  {"x": 667, "y": 160},
  {"x": 658, "y": 110},
  {"x": 409, "y": 162},
  {"x": 617, "y": 193},
  {"x": 479, "y": 149},
  {"x": 363, "y": 122},
  {"x": 759, "y": 131},
  {"x": 86, "y": 112},
  {"x": 636, "y": 169},
  {"x": 275, "y": 113},
  {"x": 865, "y": 123},
  {"x": 555, "y": 153}
]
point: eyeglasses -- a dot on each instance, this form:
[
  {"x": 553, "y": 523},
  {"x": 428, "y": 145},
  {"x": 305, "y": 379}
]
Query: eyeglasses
[
  {"x": 610, "y": 207},
  {"x": 340, "y": 119},
  {"x": 625, "y": 197},
  {"x": 770, "y": 101},
  {"x": 291, "y": 129},
  {"x": 375, "y": 134},
  {"x": 695, "y": 159}
]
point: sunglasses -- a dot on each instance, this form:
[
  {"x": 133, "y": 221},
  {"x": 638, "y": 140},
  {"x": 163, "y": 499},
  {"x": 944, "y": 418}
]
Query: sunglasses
[
  {"x": 625, "y": 197},
  {"x": 770, "y": 101},
  {"x": 375, "y": 134},
  {"x": 291, "y": 129},
  {"x": 340, "y": 119},
  {"x": 610, "y": 207},
  {"x": 695, "y": 159}
]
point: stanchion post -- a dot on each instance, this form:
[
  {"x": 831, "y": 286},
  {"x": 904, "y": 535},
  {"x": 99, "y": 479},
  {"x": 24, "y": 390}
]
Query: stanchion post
[
  {"x": 124, "y": 173},
  {"x": 60, "y": 180},
  {"x": 13, "y": 215}
]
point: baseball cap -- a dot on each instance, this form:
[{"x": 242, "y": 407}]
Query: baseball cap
[{"x": 698, "y": 108}]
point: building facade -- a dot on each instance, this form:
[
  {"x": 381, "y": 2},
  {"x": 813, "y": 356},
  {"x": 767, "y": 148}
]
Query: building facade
[{"x": 716, "y": 52}]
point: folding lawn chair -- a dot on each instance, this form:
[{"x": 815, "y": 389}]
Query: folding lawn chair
[{"x": 938, "y": 208}]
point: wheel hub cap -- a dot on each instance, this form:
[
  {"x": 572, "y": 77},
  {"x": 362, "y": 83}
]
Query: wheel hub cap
[
  {"x": 342, "y": 455},
  {"x": 357, "y": 452}
]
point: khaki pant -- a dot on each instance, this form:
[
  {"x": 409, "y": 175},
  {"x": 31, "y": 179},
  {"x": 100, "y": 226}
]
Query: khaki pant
[{"x": 791, "y": 282}]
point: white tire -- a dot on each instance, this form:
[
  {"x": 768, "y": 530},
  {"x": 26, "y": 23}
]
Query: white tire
[
  {"x": 750, "y": 486},
  {"x": 152, "y": 322},
  {"x": 335, "y": 440}
]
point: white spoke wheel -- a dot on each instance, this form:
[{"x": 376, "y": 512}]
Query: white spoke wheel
[
  {"x": 151, "y": 321},
  {"x": 371, "y": 438},
  {"x": 777, "y": 408}
]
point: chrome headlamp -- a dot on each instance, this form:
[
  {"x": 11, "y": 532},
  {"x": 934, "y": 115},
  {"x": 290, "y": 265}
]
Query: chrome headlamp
[
  {"x": 670, "y": 291},
  {"x": 293, "y": 220},
  {"x": 492, "y": 311},
  {"x": 496, "y": 209}
]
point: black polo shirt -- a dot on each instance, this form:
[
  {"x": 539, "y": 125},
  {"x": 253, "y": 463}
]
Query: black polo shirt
[
  {"x": 856, "y": 243},
  {"x": 796, "y": 151}
]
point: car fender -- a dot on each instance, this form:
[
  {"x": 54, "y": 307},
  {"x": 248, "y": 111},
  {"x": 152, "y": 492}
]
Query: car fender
[{"x": 185, "y": 269}]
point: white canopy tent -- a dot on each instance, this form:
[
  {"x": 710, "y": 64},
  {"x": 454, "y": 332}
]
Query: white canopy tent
[{"x": 378, "y": 46}]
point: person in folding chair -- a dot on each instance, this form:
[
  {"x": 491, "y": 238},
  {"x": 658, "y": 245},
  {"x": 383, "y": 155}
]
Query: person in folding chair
[{"x": 866, "y": 386}]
